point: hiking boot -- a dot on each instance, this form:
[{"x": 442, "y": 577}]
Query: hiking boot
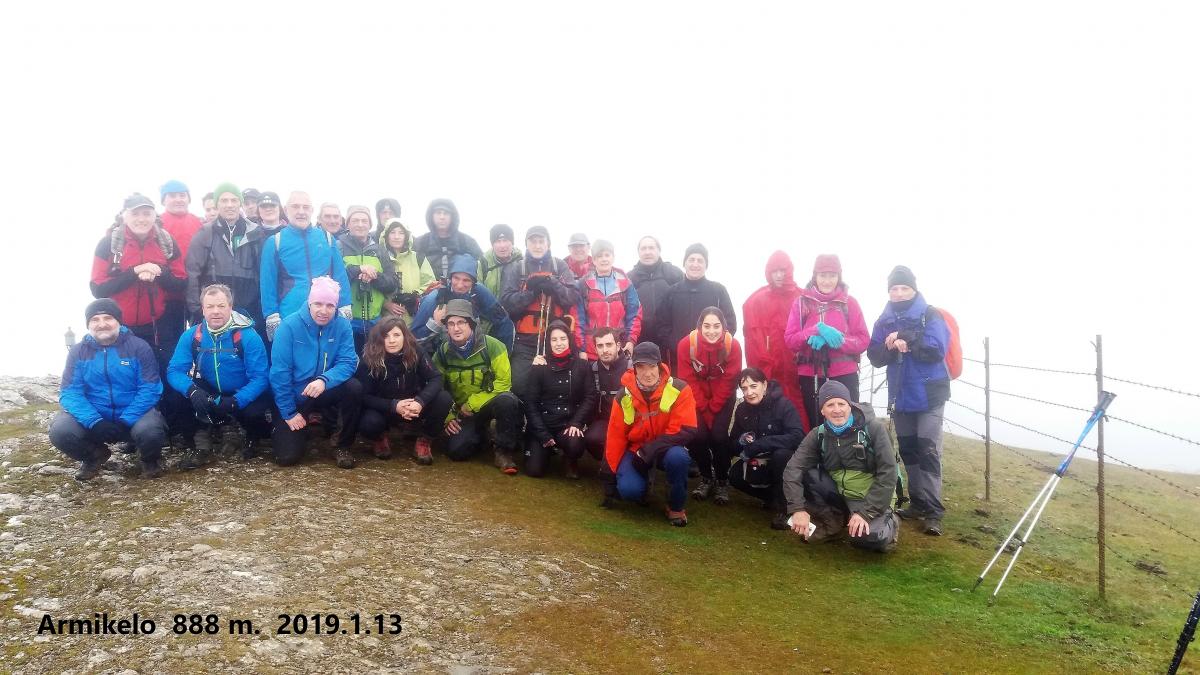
[
  {"x": 911, "y": 513},
  {"x": 891, "y": 545},
  {"x": 233, "y": 440},
  {"x": 423, "y": 450},
  {"x": 779, "y": 522},
  {"x": 677, "y": 518},
  {"x": 126, "y": 448},
  {"x": 933, "y": 527},
  {"x": 703, "y": 489},
  {"x": 344, "y": 459},
  {"x": 382, "y": 448},
  {"x": 720, "y": 493},
  {"x": 571, "y": 469},
  {"x": 504, "y": 462},
  {"x": 151, "y": 469},
  {"x": 91, "y": 468},
  {"x": 199, "y": 454},
  {"x": 249, "y": 450}
]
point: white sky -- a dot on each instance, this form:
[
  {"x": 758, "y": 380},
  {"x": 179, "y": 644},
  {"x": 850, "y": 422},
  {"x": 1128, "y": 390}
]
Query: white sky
[{"x": 1035, "y": 163}]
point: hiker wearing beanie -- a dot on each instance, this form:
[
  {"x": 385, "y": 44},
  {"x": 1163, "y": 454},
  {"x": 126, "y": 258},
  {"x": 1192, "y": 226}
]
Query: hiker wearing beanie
[
  {"x": 400, "y": 388},
  {"x": 502, "y": 254},
  {"x": 312, "y": 369},
  {"x": 292, "y": 258},
  {"x": 227, "y": 251},
  {"x": 709, "y": 359},
  {"x": 182, "y": 226},
  {"x": 607, "y": 298},
  {"x": 538, "y": 289},
  {"x": 428, "y": 324},
  {"x": 372, "y": 277},
  {"x": 911, "y": 338},
  {"x": 475, "y": 369},
  {"x": 764, "y": 321},
  {"x": 559, "y": 403},
  {"x": 220, "y": 366},
  {"x": 413, "y": 276},
  {"x": 652, "y": 422},
  {"x": 652, "y": 277},
  {"x": 386, "y": 209},
  {"x": 109, "y": 387},
  {"x": 686, "y": 299},
  {"x": 579, "y": 257},
  {"x": 763, "y": 431},
  {"x": 842, "y": 478},
  {"x": 827, "y": 334},
  {"x": 443, "y": 241}
]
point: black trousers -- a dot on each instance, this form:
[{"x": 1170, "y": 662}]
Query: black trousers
[
  {"x": 373, "y": 424},
  {"x": 254, "y": 418},
  {"x": 595, "y": 438},
  {"x": 537, "y": 457},
  {"x": 149, "y": 434},
  {"x": 776, "y": 462},
  {"x": 711, "y": 447},
  {"x": 290, "y": 446},
  {"x": 505, "y": 409},
  {"x": 810, "y": 394}
]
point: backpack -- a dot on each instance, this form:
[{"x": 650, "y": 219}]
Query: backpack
[
  {"x": 722, "y": 354},
  {"x": 864, "y": 439},
  {"x": 197, "y": 334},
  {"x": 954, "y": 354},
  {"x": 487, "y": 380}
]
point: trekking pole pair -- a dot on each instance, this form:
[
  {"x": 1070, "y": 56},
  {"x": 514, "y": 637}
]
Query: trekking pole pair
[
  {"x": 1040, "y": 502},
  {"x": 542, "y": 320}
]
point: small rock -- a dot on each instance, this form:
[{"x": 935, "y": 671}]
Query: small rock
[
  {"x": 1151, "y": 567},
  {"x": 986, "y": 529},
  {"x": 983, "y": 513},
  {"x": 114, "y": 573},
  {"x": 201, "y": 548},
  {"x": 49, "y": 470},
  {"x": 545, "y": 581},
  {"x": 827, "y": 670}
]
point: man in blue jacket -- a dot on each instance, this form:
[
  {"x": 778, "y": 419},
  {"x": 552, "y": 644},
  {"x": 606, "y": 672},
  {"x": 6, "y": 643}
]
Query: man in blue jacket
[
  {"x": 312, "y": 368},
  {"x": 220, "y": 365},
  {"x": 109, "y": 387},
  {"x": 427, "y": 324},
  {"x": 292, "y": 258}
]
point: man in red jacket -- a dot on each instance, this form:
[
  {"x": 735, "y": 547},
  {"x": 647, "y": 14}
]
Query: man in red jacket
[
  {"x": 765, "y": 316},
  {"x": 182, "y": 226}
]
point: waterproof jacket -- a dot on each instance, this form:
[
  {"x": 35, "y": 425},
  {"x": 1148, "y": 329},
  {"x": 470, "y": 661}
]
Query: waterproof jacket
[
  {"x": 232, "y": 362},
  {"x": 493, "y": 320},
  {"x": 182, "y": 229},
  {"x": 411, "y": 270},
  {"x": 230, "y": 256},
  {"x": 580, "y": 268},
  {"x": 141, "y": 302},
  {"x": 382, "y": 391},
  {"x": 775, "y": 423},
  {"x": 491, "y": 270},
  {"x": 118, "y": 383},
  {"x": 303, "y": 351},
  {"x": 711, "y": 369},
  {"x": 477, "y": 378},
  {"x": 606, "y": 380},
  {"x": 559, "y": 395},
  {"x": 838, "y": 310},
  {"x": 920, "y": 380},
  {"x": 291, "y": 259},
  {"x": 764, "y": 320},
  {"x": 860, "y": 460},
  {"x": 685, "y": 300},
  {"x": 650, "y": 425},
  {"x": 367, "y": 297},
  {"x": 652, "y": 283},
  {"x": 609, "y": 301},
  {"x": 523, "y": 304},
  {"x": 438, "y": 251}
]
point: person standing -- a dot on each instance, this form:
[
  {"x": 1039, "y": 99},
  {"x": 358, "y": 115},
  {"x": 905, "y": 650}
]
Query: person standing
[
  {"x": 765, "y": 319},
  {"x": 443, "y": 241},
  {"x": 686, "y": 299},
  {"x": 607, "y": 298},
  {"x": 413, "y": 276},
  {"x": 710, "y": 359},
  {"x": 652, "y": 277},
  {"x": 372, "y": 277}
]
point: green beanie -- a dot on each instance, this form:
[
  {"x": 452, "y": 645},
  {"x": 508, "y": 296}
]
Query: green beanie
[{"x": 226, "y": 187}]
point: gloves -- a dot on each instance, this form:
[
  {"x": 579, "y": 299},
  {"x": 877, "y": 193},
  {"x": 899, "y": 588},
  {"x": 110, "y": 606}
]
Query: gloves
[
  {"x": 539, "y": 284},
  {"x": 107, "y": 431},
  {"x": 833, "y": 337},
  {"x": 816, "y": 342},
  {"x": 345, "y": 311},
  {"x": 202, "y": 403},
  {"x": 227, "y": 405},
  {"x": 272, "y": 323}
]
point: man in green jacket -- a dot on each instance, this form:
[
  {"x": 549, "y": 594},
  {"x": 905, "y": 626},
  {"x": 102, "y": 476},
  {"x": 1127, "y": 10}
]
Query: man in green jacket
[
  {"x": 477, "y": 374},
  {"x": 372, "y": 276},
  {"x": 502, "y": 254},
  {"x": 843, "y": 475}
]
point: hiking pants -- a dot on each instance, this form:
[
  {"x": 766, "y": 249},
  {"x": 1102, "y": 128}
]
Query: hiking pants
[
  {"x": 710, "y": 447},
  {"x": 290, "y": 446},
  {"x": 773, "y": 495},
  {"x": 521, "y": 362},
  {"x": 828, "y": 507},
  {"x": 595, "y": 437},
  {"x": 537, "y": 458},
  {"x": 810, "y": 394},
  {"x": 920, "y": 437},
  {"x": 373, "y": 424},
  {"x": 149, "y": 434},
  {"x": 505, "y": 409},
  {"x": 633, "y": 476}
]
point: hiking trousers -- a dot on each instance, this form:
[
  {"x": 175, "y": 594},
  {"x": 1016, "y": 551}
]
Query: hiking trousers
[
  {"x": 830, "y": 509},
  {"x": 505, "y": 409},
  {"x": 373, "y": 423},
  {"x": 772, "y": 495},
  {"x": 149, "y": 435},
  {"x": 633, "y": 475},
  {"x": 537, "y": 457},
  {"x": 920, "y": 439},
  {"x": 290, "y": 446},
  {"x": 711, "y": 447}
]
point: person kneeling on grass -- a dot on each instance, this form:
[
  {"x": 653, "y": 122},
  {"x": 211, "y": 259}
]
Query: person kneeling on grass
[
  {"x": 844, "y": 475},
  {"x": 650, "y": 426},
  {"x": 399, "y": 386},
  {"x": 312, "y": 368}
]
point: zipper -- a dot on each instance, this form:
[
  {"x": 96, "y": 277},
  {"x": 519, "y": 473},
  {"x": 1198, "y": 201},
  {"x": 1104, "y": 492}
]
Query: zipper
[
  {"x": 216, "y": 362},
  {"x": 112, "y": 400}
]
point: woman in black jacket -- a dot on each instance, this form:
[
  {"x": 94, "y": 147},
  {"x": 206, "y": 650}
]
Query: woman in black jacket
[
  {"x": 560, "y": 399},
  {"x": 764, "y": 430},
  {"x": 399, "y": 385}
]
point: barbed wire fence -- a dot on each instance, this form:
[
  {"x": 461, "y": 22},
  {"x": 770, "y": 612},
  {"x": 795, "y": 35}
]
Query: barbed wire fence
[{"x": 872, "y": 381}]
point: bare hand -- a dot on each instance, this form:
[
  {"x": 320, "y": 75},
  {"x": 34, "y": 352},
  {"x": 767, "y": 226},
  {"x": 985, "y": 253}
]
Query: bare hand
[
  {"x": 146, "y": 276},
  {"x": 901, "y": 346},
  {"x": 439, "y": 313},
  {"x": 549, "y": 444},
  {"x": 465, "y": 410},
  {"x": 367, "y": 273},
  {"x": 297, "y": 422},
  {"x": 628, "y": 349},
  {"x": 858, "y": 527},
  {"x": 890, "y": 340},
  {"x": 539, "y": 360},
  {"x": 314, "y": 388},
  {"x": 394, "y": 308},
  {"x": 148, "y": 268},
  {"x": 575, "y": 432},
  {"x": 453, "y": 427},
  {"x": 800, "y": 521},
  {"x": 409, "y": 408}
]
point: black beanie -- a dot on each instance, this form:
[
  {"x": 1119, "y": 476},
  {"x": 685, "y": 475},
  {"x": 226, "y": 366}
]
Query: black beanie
[
  {"x": 696, "y": 248},
  {"x": 102, "y": 306},
  {"x": 832, "y": 389},
  {"x": 902, "y": 275},
  {"x": 501, "y": 231}
]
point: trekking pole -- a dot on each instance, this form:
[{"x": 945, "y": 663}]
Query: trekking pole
[
  {"x": 543, "y": 314},
  {"x": 1040, "y": 502},
  {"x": 1186, "y": 636}
]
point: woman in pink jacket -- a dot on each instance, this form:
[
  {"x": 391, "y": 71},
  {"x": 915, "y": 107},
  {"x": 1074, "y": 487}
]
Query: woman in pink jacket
[{"x": 827, "y": 332}]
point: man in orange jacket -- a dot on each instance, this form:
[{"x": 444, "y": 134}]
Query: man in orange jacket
[{"x": 652, "y": 420}]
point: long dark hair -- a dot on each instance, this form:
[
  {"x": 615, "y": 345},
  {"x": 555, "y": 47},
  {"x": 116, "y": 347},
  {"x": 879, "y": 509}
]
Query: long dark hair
[{"x": 375, "y": 354}]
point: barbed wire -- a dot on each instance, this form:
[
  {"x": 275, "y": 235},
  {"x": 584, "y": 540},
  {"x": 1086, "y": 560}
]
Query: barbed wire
[
  {"x": 1157, "y": 431},
  {"x": 1027, "y": 398},
  {"x": 1151, "y": 386},
  {"x": 1134, "y": 564},
  {"x": 1041, "y": 370},
  {"x": 1146, "y": 514},
  {"x": 1091, "y": 374}
]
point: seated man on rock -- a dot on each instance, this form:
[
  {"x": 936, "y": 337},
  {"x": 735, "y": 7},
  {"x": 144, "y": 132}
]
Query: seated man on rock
[
  {"x": 312, "y": 369},
  {"x": 220, "y": 365},
  {"x": 109, "y": 388},
  {"x": 843, "y": 475}
]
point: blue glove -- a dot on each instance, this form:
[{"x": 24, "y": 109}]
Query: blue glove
[
  {"x": 833, "y": 337},
  {"x": 816, "y": 342}
]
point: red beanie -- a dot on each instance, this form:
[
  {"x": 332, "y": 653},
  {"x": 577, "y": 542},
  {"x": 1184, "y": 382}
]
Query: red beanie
[{"x": 827, "y": 262}]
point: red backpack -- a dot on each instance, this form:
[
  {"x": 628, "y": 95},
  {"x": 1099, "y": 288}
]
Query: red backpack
[{"x": 954, "y": 355}]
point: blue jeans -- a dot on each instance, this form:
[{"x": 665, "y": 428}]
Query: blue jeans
[{"x": 631, "y": 481}]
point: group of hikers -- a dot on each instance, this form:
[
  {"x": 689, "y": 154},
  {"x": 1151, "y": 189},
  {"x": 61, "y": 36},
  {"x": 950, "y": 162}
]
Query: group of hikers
[{"x": 258, "y": 322}]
